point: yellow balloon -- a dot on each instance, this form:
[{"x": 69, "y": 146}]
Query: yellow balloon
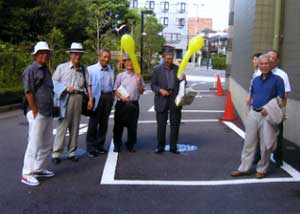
[
  {"x": 128, "y": 45},
  {"x": 195, "y": 44}
]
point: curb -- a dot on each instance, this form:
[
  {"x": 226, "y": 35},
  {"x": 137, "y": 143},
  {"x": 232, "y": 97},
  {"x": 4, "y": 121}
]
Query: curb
[{"x": 11, "y": 107}]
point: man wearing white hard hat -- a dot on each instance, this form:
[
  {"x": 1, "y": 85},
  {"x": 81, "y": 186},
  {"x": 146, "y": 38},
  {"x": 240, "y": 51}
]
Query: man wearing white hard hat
[
  {"x": 73, "y": 77},
  {"x": 38, "y": 88}
]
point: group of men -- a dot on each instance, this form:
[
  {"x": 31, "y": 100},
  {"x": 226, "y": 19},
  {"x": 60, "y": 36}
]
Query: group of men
[
  {"x": 71, "y": 80},
  {"x": 267, "y": 99},
  {"x": 65, "y": 89}
]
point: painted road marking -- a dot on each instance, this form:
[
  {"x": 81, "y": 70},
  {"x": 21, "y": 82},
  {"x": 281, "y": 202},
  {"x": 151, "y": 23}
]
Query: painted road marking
[
  {"x": 108, "y": 175},
  {"x": 192, "y": 110},
  {"x": 286, "y": 167},
  {"x": 183, "y": 121},
  {"x": 82, "y": 129},
  {"x": 207, "y": 79}
]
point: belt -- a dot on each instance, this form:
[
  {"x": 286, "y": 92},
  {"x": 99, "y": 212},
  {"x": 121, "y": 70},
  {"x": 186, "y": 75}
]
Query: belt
[
  {"x": 257, "y": 109},
  {"x": 133, "y": 101},
  {"x": 77, "y": 92},
  {"x": 106, "y": 93}
]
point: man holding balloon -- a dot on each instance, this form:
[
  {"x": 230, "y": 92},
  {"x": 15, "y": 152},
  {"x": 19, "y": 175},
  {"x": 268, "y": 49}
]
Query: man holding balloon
[
  {"x": 128, "y": 87},
  {"x": 165, "y": 85}
]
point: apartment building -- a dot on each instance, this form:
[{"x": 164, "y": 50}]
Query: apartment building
[{"x": 173, "y": 16}]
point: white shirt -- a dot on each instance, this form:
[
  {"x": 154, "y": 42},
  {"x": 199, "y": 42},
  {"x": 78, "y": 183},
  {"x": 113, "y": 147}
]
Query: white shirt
[{"x": 279, "y": 72}]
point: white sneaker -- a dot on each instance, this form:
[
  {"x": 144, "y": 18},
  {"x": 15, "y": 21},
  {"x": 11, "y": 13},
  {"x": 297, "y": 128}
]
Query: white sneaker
[
  {"x": 30, "y": 180},
  {"x": 44, "y": 173}
]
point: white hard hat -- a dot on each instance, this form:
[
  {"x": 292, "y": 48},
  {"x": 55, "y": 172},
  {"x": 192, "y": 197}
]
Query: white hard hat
[
  {"x": 41, "y": 46},
  {"x": 76, "y": 48}
]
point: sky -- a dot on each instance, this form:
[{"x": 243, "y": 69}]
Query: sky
[{"x": 218, "y": 10}]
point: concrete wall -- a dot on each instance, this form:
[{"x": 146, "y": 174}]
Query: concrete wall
[
  {"x": 242, "y": 43},
  {"x": 242, "y": 49},
  {"x": 264, "y": 25},
  {"x": 290, "y": 51}
]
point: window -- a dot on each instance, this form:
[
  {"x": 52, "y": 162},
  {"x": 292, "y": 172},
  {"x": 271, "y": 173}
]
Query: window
[
  {"x": 172, "y": 37},
  {"x": 134, "y": 3},
  {"x": 181, "y": 7},
  {"x": 164, "y": 6},
  {"x": 164, "y": 21},
  {"x": 150, "y": 5},
  {"x": 180, "y": 22}
]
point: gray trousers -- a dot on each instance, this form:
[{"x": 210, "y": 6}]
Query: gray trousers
[
  {"x": 257, "y": 132},
  {"x": 70, "y": 123}
]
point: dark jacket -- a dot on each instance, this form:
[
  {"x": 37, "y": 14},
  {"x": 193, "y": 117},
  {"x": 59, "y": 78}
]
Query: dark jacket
[{"x": 159, "y": 81}]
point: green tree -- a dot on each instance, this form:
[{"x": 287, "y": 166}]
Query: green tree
[
  {"x": 153, "y": 41},
  {"x": 70, "y": 17},
  {"x": 56, "y": 42},
  {"x": 103, "y": 16}
]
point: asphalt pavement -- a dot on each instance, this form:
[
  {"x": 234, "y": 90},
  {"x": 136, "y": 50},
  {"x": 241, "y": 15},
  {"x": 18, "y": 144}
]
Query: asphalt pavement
[{"x": 195, "y": 181}]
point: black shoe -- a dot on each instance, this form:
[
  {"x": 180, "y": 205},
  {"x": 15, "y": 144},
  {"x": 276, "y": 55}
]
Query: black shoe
[
  {"x": 117, "y": 150},
  {"x": 158, "y": 151},
  {"x": 73, "y": 158},
  {"x": 101, "y": 151},
  {"x": 131, "y": 150},
  {"x": 175, "y": 152},
  {"x": 56, "y": 160},
  {"x": 93, "y": 154},
  {"x": 278, "y": 162}
]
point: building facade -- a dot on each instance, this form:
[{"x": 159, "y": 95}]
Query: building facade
[
  {"x": 197, "y": 25},
  {"x": 258, "y": 26},
  {"x": 173, "y": 16}
]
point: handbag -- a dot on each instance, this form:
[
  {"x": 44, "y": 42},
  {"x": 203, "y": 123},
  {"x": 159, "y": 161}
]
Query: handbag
[
  {"x": 84, "y": 111},
  {"x": 85, "y": 100}
]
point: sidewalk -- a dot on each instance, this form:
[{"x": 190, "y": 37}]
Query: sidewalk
[{"x": 191, "y": 69}]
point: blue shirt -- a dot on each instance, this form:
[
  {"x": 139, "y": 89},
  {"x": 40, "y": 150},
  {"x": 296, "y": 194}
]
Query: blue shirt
[
  {"x": 102, "y": 80},
  {"x": 263, "y": 90}
]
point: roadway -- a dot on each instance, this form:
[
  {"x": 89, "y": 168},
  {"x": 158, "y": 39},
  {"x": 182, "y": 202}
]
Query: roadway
[{"x": 195, "y": 181}]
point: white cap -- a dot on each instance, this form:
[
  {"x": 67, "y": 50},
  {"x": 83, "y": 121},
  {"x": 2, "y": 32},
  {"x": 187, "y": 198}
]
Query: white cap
[
  {"x": 76, "y": 48},
  {"x": 40, "y": 46}
]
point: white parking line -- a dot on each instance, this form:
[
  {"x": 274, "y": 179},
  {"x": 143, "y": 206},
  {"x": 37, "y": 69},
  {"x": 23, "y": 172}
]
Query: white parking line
[
  {"x": 183, "y": 121},
  {"x": 192, "y": 110},
  {"x": 286, "y": 167},
  {"x": 109, "y": 170},
  {"x": 82, "y": 129},
  {"x": 108, "y": 175}
]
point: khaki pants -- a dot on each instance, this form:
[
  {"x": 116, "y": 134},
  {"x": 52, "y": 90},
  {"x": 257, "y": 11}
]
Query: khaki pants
[
  {"x": 256, "y": 133},
  {"x": 39, "y": 145},
  {"x": 70, "y": 123}
]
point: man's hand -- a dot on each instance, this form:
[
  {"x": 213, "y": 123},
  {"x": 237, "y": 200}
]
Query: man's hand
[
  {"x": 164, "y": 92},
  {"x": 90, "y": 104},
  {"x": 32, "y": 104},
  {"x": 248, "y": 100},
  {"x": 70, "y": 89},
  {"x": 34, "y": 112},
  {"x": 124, "y": 99},
  {"x": 264, "y": 112},
  {"x": 183, "y": 77},
  {"x": 138, "y": 79}
]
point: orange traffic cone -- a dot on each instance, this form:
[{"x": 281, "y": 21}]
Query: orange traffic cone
[
  {"x": 220, "y": 91},
  {"x": 228, "y": 114}
]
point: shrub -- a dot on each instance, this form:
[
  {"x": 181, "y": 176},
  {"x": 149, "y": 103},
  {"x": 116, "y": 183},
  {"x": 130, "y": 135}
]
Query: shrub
[{"x": 218, "y": 62}]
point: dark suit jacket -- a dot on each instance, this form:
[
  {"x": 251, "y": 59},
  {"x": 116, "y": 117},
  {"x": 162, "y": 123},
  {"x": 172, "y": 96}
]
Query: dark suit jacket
[{"x": 159, "y": 81}]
